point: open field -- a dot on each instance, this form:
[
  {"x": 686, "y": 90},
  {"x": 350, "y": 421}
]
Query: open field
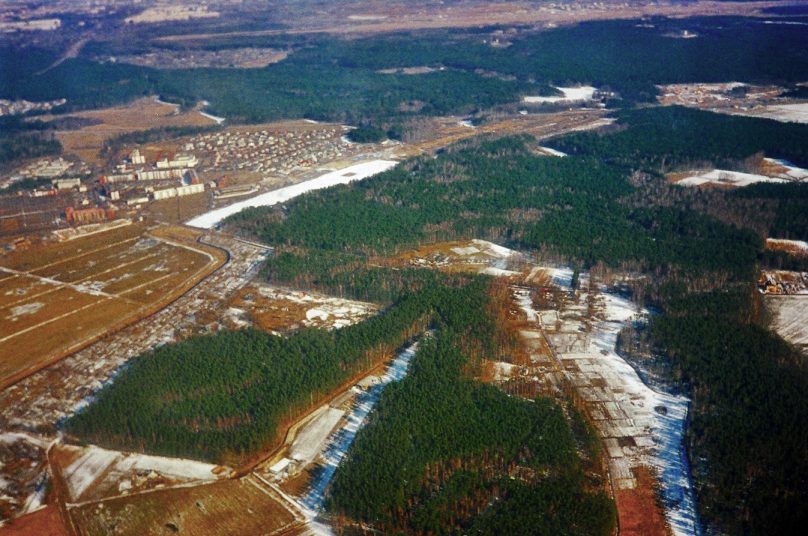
[
  {"x": 477, "y": 256},
  {"x": 57, "y": 297},
  {"x": 142, "y": 114},
  {"x": 790, "y": 318},
  {"x": 92, "y": 473},
  {"x": 276, "y": 309},
  {"x": 229, "y": 507},
  {"x": 44, "y": 522},
  {"x": 358, "y": 17},
  {"x": 794, "y": 247},
  {"x": 448, "y": 130}
]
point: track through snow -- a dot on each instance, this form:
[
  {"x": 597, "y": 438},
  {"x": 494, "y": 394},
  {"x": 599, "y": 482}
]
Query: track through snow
[
  {"x": 338, "y": 443},
  {"x": 350, "y": 174}
]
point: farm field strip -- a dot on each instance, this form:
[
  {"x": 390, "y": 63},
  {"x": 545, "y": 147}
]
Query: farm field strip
[
  {"x": 41, "y": 256},
  {"x": 90, "y": 283},
  {"x": 238, "y": 506},
  {"x": 78, "y": 274},
  {"x": 641, "y": 429},
  {"x": 37, "y": 322},
  {"x": 93, "y": 288},
  {"x": 83, "y": 254},
  {"x": 18, "y": 288},
  {"x": 76, "y": 287}
]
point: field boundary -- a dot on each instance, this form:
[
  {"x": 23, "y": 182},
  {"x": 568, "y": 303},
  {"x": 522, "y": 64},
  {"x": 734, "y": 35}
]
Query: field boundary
[{"x": 212, "y": 267}]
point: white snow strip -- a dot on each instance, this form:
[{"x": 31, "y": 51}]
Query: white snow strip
[
  {"x": 728, "y": 178},
  {"x": 342, "y": 438},
  {"x": 219, "y": 120},
  {"x": 553, "y": 152},
  {"x": 499, "y": 272},
  {"x": 490, "y": 247},
  {"x": 344, "y": 176},
  {"x": 571, "y": 94},
  {"x": 465, "y": 251}
]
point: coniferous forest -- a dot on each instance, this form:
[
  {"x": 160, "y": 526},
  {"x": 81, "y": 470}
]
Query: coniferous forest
[
  {"x": 445, "y": 453},
  {"x": 417, "y": 466}
]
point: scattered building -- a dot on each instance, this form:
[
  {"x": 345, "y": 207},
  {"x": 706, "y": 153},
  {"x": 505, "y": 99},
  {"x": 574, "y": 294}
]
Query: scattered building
[
  {"x": 179, "y": 191},
  {"x": 136, "y": 158},
  {"x": 179, "y": 161},
  {"x": 67, "y": 184},
  {"x": 83, "y": 216}
]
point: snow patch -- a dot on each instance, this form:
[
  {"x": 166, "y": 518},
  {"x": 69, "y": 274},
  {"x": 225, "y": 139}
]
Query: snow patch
[
  {"x": 338, "y": 443},
  {"x": 25, "y": 309},
  {"x": 344, "y": 176},
  {"x": 727, "y": 178},
  {"x": 571, "y": 94}
]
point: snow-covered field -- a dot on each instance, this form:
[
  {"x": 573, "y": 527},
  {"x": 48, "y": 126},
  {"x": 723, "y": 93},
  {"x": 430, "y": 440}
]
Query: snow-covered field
[
  {"x": 343, "y": 176},
  {"x": 785, "y": 113},
  {"x": 727, "y": 178},
  {"x": 338, "y": 443},
  {"x": 321, "y": 310},
  {"x": 571, "y": 94},
  {"x": 553, "y": 152},
  {"x": 105, "y": 468},
  {"x": 311, "y": 438},
  {"x": 639, "y": 425},
  {"x": 790, "y": 318}
]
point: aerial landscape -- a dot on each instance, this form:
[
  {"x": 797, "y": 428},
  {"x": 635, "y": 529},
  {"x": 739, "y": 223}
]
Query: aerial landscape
[{"x": 430, "y": 267}]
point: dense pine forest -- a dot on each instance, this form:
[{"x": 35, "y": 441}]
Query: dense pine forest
[
  {"x": 747, "y": 437},
  {"x": 440, "y": 448},
  {"x": 424, "y": 462},
  {"x": 584, "y": 210},
  {"x": 672, "y": 138},
  {"x": 577, "y": 210},
  {"x": 223, "y": 397},
  {"x": 20, "y": 140},
  {"x": 338, "y": 79}
]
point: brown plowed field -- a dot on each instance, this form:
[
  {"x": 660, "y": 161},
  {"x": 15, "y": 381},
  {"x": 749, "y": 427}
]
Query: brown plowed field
[
  {"x": 228, "y": 507},
  {"x": 57, "y": 297}
]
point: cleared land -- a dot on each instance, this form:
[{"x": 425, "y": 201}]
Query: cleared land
[
  {"x": 229, "y": 507},
  {"x": 358, "y": 17},
  {"x": 92, "y": 473},
  {"x": 56, "y": 298},
  {"x": 44, "y": 522},
  {"x": 276, "y": 309},
  {"x": 142, "y": 114},
  {"x": 790, "y": 318}
]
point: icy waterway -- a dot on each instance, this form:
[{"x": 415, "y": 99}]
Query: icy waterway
[{"x": 341, "y": 439}]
